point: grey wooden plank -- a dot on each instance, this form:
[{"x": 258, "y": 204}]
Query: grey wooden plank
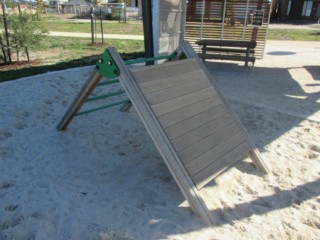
[
  {"x": 188, "y": 111},
  {"x": 254, "y": 153},
  {"x": 217, "y": 167},
  {"x": 226, "y": 57},
  {"x": 169, "y": 69},
  {"x": 161, "y": 141},
  {"x": 169, "y": 82},
  {"x": 230, "y": 43},
  {"x": 200, "y": 82},
  {"x": 185, "y": 126},
  {"x": 201, "y": 132},
  {"x": 185, "y": 100},
  {"x": 229, "y": 50},
  {"x": 197, "y": 149},
  {"x": 214, "y": 154}
]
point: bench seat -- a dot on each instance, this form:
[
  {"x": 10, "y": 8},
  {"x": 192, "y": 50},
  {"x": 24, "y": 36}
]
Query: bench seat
[
  {"x": 227, "y": 57},
  {"x": 228, "y": 50}
]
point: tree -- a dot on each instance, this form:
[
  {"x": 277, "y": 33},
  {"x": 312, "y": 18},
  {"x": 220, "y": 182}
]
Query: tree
[
  {"x": 6, "y": 51},
  {"x": 25, "y": 32},
  {"x": 40, "y": 8}
]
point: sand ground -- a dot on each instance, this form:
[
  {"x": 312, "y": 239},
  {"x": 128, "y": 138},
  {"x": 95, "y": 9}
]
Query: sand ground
[{"x": 104, "y": 179}]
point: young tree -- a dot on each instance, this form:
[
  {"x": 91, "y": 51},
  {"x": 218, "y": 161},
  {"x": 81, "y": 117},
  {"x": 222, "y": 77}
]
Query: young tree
[
  {"x": 25, "y": 32},
  {"x": 40, "y": 8},
  {"x": 6, "y": 52}
]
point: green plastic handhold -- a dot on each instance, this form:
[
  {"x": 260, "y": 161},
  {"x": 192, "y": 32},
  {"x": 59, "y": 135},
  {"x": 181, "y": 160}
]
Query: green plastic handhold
[{"x": 106, "y": 66}]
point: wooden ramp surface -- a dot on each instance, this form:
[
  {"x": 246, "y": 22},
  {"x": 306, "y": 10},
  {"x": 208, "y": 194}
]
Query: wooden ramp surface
[
  {"x": 195, "y": 119},
  {"x": 189, "y": 121}
]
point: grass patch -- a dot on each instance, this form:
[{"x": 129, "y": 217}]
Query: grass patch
[
  {"x": 109, "y": 27},
  {"x": 30, "y": 70},
  {"x": 316, "y": 26},
  {"x": 293, "y": 34},
  {"x": 63, "y": 52}
]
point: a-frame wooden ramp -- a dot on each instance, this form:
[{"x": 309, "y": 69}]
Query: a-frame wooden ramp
[{"x": 189, "y": 121}]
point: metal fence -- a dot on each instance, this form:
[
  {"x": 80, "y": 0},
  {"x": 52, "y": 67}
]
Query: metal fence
[{"x": 111, "y": 12}]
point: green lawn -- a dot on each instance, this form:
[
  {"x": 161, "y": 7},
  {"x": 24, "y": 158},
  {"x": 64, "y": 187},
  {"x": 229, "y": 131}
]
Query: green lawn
[
  {"x": 294, "y": 34},
  {"x": 109, "y": 27},
  {"x": 81, "y": 47},
  {"x": 66, "y": 52}
]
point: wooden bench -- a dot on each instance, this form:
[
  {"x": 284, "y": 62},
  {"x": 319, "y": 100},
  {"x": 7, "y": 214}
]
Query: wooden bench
[{"x": 227, "y": 50}]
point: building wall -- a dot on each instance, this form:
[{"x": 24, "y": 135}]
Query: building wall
[{"x": 295, "y": 10}]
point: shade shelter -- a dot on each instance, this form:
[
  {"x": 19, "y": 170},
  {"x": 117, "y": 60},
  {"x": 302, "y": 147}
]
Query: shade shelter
[
  {"x": 229, "y": 20},
  {"x": 193, "y": 20}
]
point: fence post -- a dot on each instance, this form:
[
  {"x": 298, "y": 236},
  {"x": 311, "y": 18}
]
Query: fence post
[
  {"x": 101, "y": 25},
  {"x": 92, "y": 28}
]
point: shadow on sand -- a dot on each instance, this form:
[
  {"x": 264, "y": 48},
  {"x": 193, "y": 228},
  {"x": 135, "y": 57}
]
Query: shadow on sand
[{"x": 242, "y": 87}]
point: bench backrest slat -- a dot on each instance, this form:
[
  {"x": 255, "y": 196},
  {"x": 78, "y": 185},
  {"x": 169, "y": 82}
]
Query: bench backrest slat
[{"x": 227, "y": 43}]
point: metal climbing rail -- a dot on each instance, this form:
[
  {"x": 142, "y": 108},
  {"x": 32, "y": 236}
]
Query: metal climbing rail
[{"x": 104, "y": 68}]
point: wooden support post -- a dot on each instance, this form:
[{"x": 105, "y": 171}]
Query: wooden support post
[
  {"x": 125, "y": 107},
  {"x": 257, "y": 160},
  {"x": 86, "y": 90}
]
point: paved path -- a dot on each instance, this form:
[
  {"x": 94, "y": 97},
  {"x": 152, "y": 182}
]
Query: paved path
[
  {"x": 285, "y": 81},
  {"x": 293, "y": 44},
  {"x": 88, "y": 35},
  {"x": 140, "y": 37},
  {"x": 313, "y": 27}
]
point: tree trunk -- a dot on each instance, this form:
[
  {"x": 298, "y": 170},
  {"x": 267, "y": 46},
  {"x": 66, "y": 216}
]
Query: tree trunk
[
  {"x": 27, "y": 52},
  {"x": 6, "y": 31},
  {"x": 18, "y": 60},
  {"x": 3, "y": 51}
]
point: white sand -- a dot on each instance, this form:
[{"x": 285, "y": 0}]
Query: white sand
[{"x": 104, "y": 179}]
